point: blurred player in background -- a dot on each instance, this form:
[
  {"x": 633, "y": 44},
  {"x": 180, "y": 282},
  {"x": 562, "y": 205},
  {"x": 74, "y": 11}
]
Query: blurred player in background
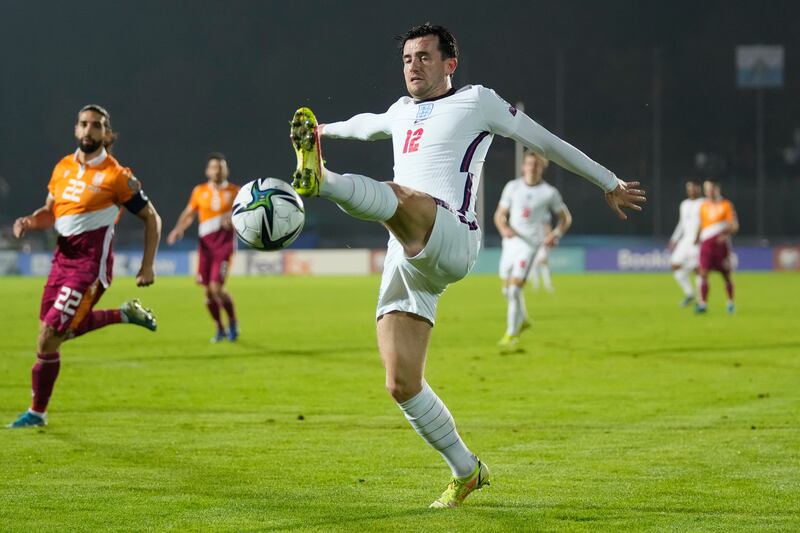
[
  {"x": 718, "y": 223},
  {"x": 86, "y": 192},
  {"x": 212, "y": 202},
  {"x": 440, "y": 138},
  {"x": 683, "y": 243},
  {"x": 522, "y": 218}
]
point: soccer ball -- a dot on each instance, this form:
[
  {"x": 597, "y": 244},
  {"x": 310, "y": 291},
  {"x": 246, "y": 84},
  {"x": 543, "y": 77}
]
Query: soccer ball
[{"x": 268, "y": 214}]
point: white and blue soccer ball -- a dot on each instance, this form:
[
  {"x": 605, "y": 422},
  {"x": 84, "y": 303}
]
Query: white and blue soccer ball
[{"x": 268, "y": 214}]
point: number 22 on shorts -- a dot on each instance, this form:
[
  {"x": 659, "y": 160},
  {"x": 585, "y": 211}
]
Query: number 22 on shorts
[
  {"x": 68, "y": 300},
  {"x": 412, "y": 140}
]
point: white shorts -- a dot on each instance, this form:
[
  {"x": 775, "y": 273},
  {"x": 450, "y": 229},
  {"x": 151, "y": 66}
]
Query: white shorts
[
  {"x": 517, "y": 258},
  {"x": 686, "y": 254},
  {"x": 414, "y": 284}
]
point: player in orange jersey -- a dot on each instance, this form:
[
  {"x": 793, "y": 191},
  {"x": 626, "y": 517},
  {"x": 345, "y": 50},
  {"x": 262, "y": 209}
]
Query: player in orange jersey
[
  {"x": 718, "y": 222},
  {"x": 212, "y": 202},
  {"x": 85, "y": 195}
]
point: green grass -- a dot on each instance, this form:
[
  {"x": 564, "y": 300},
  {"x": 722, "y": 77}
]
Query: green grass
[{"x": 623, "y": 413}]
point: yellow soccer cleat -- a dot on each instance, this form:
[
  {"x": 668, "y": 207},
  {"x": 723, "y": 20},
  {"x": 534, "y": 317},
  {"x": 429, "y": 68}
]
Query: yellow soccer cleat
[
  {"x": 508, "y": 343},
  {"x": 458, "y": 489},
  {"x": 307, "y": 179}
]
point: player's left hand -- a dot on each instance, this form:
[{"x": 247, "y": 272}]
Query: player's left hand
[
  {"x": 145, "y": 277},
  {"x": 551, "y": 240},
  {"x": 627, "y": 195}
]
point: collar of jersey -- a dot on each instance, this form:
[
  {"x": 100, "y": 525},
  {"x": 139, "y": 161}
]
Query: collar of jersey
[
  {"x": 451, "y": 92},
  {"x": 95, "y": 161}
]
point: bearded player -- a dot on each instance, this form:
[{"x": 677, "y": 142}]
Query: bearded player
[
  {"x": 212, "y": 202},
  {"x": 718, "y": 223},
  {"x": 440, "y": 138},
  {"x": 683, "y": 242},
  {"x": 522, "y": 218},
  {"x": 86, "y": 192}
]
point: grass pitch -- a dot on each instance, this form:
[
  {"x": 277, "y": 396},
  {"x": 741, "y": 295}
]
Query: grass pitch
[{"x": 624, "y": 412}]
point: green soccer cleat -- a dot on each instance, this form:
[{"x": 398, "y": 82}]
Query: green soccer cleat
[
  {"x": 458, "y": 489},
  {"x": 28, "y": 420},
  {"x": 508, "y": 343},
  {"x": 307, "y": 179},
  {"x": 139, "y": 315}
]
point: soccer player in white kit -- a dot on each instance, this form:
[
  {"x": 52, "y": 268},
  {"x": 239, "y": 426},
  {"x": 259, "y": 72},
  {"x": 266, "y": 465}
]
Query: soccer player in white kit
[
  {"x": 523, "y": 220},
  {"x": 440, "y": 138},
  {"x": 685, "y": 256}
]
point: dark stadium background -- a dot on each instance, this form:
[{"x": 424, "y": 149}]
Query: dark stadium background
[{"x": 182, "y": 78}]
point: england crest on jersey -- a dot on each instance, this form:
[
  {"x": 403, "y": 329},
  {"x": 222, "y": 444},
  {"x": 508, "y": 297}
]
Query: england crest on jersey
[{"x": 423, "y": 112}]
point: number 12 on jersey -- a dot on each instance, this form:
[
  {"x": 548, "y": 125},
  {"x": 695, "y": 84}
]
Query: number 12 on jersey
[{"x": 412, "y": 141}]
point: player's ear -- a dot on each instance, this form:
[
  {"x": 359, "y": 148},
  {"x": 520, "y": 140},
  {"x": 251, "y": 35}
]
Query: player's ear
[{"x": 452, "y": 64}]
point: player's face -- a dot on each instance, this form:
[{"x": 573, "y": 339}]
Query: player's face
[
  {"x": 426, "y": 71},
  {"x": 692, "y": 189},
  {"x": 711, "y": 189},
  {"x": 90, "y": 130},
  {"x": 532, "y": 169},
  {"x": 217, "y": 170}
]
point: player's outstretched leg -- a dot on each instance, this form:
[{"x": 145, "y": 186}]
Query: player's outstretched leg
[
  {"x": 514, "y": 319},
  {"x": 358, "y": 196}
]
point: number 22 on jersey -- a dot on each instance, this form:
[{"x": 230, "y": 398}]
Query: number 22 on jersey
[
  {"x": 73, "y": 191},
  {"x": 412, "y": 141}
]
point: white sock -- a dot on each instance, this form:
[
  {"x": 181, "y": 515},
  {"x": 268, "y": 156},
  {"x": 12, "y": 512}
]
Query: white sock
[
  {"x": 682, "y": 277},
  {"x": 430, "y": 418},
  {"x": 544, "y": 268},
  {"x": 523, "y": 307},
  {"x": 698, "y": 282},
  {"x": 360, "y": 196},
  {"x": 514, "y": 317}
]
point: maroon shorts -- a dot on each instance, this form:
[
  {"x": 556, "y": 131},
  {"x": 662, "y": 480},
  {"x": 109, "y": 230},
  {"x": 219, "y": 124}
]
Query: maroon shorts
[
  {"x": 80, "y": 265},
  {"x": 715, "y": 254},
  {"x": 69, "y": 295},
  {"x": 214, "y": 257}
]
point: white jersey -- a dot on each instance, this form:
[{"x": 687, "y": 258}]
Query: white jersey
[
  {"x": 689, "y": 221},
  {"x": 440, "y": 144},
  {"x": 530, "y": 207}
]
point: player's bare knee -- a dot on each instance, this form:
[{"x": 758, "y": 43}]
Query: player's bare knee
[
  {"x": 49, "y": 339},
  {"x": 401, "y": 389}
]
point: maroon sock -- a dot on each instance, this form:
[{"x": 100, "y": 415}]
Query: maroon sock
[
  {"x": 213, "y": 308},
  {"x": 703, "y": 290},
  {"x": 227, "y": 303},
  {"x": 43, "y": 378},
  {"x": 96, "y": 320},
  {"x": 728, "y": 285}
]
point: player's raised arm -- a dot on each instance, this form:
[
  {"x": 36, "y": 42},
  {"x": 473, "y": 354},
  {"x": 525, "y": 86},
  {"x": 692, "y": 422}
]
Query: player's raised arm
[
  {"x": 362, "y": 127},
  {"x": 42, "y": 218},
  {"x": 508, "y": 121}
]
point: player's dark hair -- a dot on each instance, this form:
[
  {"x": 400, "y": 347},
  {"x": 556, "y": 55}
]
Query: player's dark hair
[
  {"x": 218, "y": 156},
  {"x": 447, "y": 41},
  {"x": 107, "y": 116},
  {"x": 693, "y": 181}
]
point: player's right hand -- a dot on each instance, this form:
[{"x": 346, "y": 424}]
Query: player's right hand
[
  {"x": 21, "y": 225},
  {"x": 627, "y": 195}
]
